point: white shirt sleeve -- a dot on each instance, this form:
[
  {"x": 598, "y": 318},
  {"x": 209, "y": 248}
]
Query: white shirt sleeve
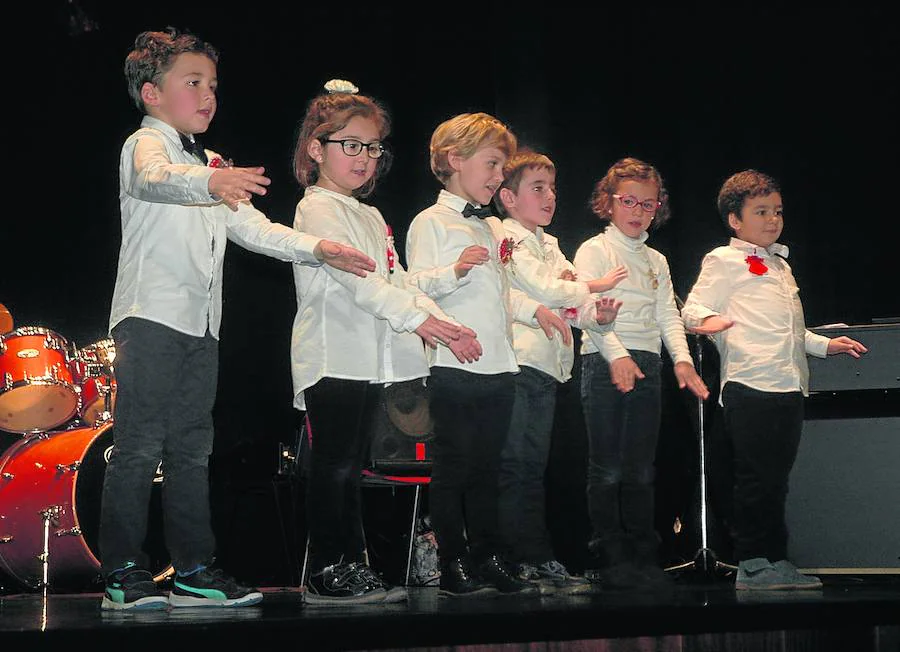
[
  {"x": 589, "y": 264},
  {"x": 671, "y": 327},
  {"x": 374, "y": 293},
  {"x": 154, "y": 178},
  {"x": 426, "y": 272}
]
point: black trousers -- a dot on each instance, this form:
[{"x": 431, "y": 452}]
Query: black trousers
[
  {"x": 472, "y": 414},
  {"x": 341, "y": 414},
  {"x": 763, "y": 430}
]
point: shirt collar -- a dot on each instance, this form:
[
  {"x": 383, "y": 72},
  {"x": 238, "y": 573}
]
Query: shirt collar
[
  {"x": 521, "y": 233},
  {"x": 776, "y": 249},
  {"x": 614, "y": 234},
  {"x": 448, "y": 199},
  {"x": 350, "y": 201},
  {"x": 165, "y": 127}
]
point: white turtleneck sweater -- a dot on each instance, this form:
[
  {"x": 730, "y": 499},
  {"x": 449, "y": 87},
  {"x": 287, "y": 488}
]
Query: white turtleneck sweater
[{"x": 648, "y": 316}]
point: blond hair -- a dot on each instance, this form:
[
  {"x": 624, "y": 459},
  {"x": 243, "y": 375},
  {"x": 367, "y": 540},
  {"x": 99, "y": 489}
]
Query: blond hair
[{"x": 464, "y": 135}]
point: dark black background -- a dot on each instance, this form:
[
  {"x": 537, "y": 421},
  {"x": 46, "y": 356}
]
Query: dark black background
[{"x": 809, "y": 96}]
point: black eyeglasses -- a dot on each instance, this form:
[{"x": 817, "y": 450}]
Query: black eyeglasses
[
  {"x": 353, "y": 147},
  {"x": 630, "y": 201}
]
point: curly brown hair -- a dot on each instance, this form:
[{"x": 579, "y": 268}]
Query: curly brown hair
[
  {"x": 740, "y": 187},
  {"x": 328, "y": 113},
  {"x": 624, "y": 170}
]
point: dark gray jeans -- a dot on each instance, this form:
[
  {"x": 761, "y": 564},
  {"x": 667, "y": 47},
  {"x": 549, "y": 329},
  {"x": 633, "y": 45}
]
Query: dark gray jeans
[
  {"x": 523, "y": 463},
  {"x": 166, "y": 388},
  {"x": 623, "y": 430}
]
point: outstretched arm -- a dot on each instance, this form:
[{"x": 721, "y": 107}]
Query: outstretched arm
[
  {"x": 344, "y": 257},
  {"x": 844, "y": 344}
]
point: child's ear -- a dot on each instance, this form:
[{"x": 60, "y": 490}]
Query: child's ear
[
  {"x": 314, "y": 149},
  {"x": 734, "y": 221},
  {"x": 455, "y": 160},
  {"x": 150, "y": 94},
  {"x": 507, "y": 198}
]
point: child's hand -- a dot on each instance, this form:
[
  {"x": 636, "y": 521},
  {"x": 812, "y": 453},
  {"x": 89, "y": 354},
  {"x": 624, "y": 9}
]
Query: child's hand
[
  {"x": 712, "y": 324},
  {"x": 607, "y": 309},
  {"x": 471, "y": 256},
  {"x": 467, "y": 348},
  {"x": 687, "y": 377},
  {"x": 345, "y": 258},
  {"x": 550, "y": 321},
  {"x": 610, "y": 280},
  {"x": 234, "y": 185},
  {"x": 844, "y": 344},
  {"x": 624, "y": 372},
  {"x": 436, "y": 331},
  {"x": 568, "y": 275}
]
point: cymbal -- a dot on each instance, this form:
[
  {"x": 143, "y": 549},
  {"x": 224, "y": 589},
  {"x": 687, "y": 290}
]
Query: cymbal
[{"x": 6, "y": 320}]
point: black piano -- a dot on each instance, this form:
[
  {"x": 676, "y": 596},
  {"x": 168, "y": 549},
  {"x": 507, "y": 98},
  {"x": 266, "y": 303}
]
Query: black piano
[{"x": 843, "y": 509}]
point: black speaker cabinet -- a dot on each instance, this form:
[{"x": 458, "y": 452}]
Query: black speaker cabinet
[
  {"x": 402, "y": 430},
  {"x": 843, "y": 509}
]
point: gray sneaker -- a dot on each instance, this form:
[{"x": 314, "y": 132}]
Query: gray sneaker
[
  {"x": 552, "y": 577},
  {"x": 759, "y": 574},
  {"x": 798, "y": 579}
]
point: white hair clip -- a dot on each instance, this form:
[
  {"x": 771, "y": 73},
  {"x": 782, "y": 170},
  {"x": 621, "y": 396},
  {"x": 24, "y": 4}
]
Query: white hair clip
[{"x": 341, "y": 86}]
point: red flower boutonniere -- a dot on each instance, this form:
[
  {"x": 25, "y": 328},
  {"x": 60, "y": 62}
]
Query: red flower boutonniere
[
  {"x": 570, "y": 313},
  {"x": 505, "y": 251},
  {"x": 757, "y": 266},
  {"x": 390, "y": 249},
  {"x": 219, "y": 162}
]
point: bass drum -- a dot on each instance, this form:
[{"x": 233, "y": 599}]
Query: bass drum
[{"x": 61, "y": 474}]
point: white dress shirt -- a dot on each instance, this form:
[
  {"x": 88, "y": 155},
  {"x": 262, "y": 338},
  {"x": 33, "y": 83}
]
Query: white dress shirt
[
  {"x": 174, "y": 234},
  {"x": 483, "y": 299},
  {"x": 350, "y": 327},
  {"x": 536, "y": 267},
  {"x": 648, "y": 310},
  {"x": 767, "y": 346}
]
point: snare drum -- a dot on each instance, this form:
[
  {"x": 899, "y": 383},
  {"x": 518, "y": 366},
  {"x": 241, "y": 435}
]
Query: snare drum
[
  {"x": 37, "y": 392},
  {"x": 63, "y": 472}
]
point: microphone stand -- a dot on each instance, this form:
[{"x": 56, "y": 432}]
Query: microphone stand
[{"x": 705, "y": 561}]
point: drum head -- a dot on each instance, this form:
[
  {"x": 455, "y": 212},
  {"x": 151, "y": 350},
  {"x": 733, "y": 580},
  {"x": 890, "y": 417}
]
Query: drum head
[{"x": 88, "y": 498}]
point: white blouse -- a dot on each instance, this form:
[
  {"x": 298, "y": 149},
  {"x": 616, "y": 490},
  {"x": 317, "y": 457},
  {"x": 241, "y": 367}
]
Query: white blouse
[
  {"x": 536, "y": 267},
  {"x": 767, "y": 346},
  {"x": 350, "y": 327}
]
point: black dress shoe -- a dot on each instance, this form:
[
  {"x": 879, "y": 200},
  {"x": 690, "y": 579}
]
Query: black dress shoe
[
  {"x": 495, "y": 571},
  {"x": 458, "y": 580}
]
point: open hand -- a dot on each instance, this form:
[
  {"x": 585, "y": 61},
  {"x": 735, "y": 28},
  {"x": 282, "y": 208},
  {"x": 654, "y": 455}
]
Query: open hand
[
  {"x": 624, "y": 372},
  {"x": 233, "y": 185},
  {"x": 469, "y": 258},
  {"x": 688, "y": 377},
  {"x": 711, "y": 325},
  {"x": 607, "y": 309},
  {"x": 343, "y": 257},
  {"x": 549, "y": 321},
  {"x": 844, "y": 344},
  {"x": 609, "y": 280}
]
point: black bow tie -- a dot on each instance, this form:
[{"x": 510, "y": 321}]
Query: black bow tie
[
  {"x": 482, "y": 212},
  {"x": 194, "y": 147}
]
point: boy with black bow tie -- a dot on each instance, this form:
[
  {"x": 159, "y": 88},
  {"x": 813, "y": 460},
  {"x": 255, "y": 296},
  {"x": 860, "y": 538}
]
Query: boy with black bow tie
[{"x": 459, "y": 255}]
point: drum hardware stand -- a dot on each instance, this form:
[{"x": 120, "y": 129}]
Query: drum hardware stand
[
  {"x": 50, "y": 514},
  {"x": 705, "y": 560}
]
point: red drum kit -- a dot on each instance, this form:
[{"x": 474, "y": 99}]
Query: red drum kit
[{"x": 58, "y": 401}]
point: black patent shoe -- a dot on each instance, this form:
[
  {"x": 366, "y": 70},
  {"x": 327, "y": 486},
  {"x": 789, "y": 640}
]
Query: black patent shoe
[
  {"x": 458, "y": 580},
  {"x": 496, "y": 572}
]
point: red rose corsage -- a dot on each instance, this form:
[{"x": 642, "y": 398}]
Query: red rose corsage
[
  {"x": 390, "y": 248},
  {"x": 219, "y": 162},
  {"x": 756, "y": 264},
  {"x": 505, "y": 251}
]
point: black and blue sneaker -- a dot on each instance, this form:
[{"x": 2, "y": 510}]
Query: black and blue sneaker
[
  {"x": 132, "y": 587},
  {"x": 210, "y": 587}
]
